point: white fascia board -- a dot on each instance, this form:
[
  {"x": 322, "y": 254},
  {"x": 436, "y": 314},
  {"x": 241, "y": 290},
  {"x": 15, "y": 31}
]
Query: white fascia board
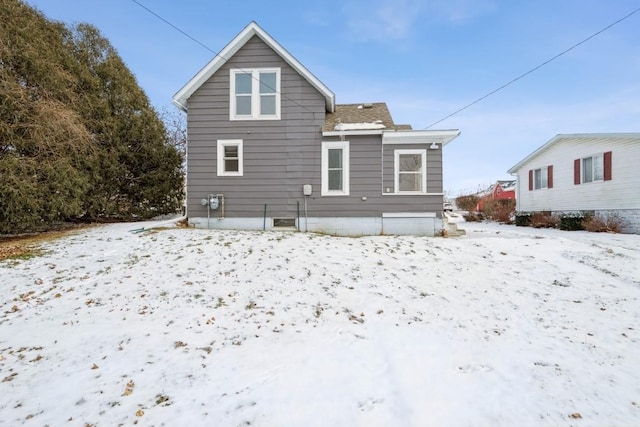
[
  {"x": 574, "y": 136},
  {"x": 352, "y": 132},
  {"x": 253, "y": 29},
  {"x": 420, "y": 136},
  {"x": 531, "y": 156}
]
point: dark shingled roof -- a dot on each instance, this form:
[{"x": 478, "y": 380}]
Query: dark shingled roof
[{"x": 375, "y": 112}]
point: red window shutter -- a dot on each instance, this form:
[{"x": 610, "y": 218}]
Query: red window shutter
[
  {"x": 607, "y": 166},
  {"x": 576, "y": 171},
  {"x": 531, "y": 180},
  {"x": 550, "y": 176}
]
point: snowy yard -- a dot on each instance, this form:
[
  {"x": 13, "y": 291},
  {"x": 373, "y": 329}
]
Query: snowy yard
[{"x": 505, "y": 326}]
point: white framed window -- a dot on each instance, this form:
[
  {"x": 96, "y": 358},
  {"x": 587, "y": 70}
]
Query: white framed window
[
  {"x": 335, "y": 168},
  {"x": 255, "y": 94},
  {"x": 593, "y": 168},
  {"x": 540, "y": 178},
  {"x": 410, "y": 171},
  {"x": 230, "y": 157}
]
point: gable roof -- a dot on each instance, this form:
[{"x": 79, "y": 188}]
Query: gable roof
[
  {"x": 360, "y": 116},
  {"x": 506, "y": 182},
  {"x": 222, "y": 57},
  {"x": 575, "y": 137}
]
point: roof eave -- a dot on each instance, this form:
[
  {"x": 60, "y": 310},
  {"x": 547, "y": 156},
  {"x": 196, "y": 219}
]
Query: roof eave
[
  {"x": 514, "y": 169},
  {"x": 180, "y": 98},
  {"x": 428, "y": 136},
  {"x": 180, "y": 106}
]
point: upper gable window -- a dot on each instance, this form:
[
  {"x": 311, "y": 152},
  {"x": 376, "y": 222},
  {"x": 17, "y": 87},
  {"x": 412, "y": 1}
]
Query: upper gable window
[{"x": 255, "y": 94}]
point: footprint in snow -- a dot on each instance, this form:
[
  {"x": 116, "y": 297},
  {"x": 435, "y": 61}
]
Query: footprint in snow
[{"x": 469, "y": 369}]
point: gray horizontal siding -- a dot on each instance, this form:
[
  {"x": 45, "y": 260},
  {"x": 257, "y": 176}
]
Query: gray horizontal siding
[
  {"x": 434, "y": 166},
  {"x": 280, "y": 156}
]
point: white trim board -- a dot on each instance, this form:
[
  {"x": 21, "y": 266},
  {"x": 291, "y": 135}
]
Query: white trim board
[
  {"x": 408, "y": 214},
  {"x": 253, "y": 29}
]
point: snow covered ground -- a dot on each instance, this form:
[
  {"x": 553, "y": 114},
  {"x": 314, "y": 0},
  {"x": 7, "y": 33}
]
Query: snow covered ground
[{"x": 504, "y": 326}]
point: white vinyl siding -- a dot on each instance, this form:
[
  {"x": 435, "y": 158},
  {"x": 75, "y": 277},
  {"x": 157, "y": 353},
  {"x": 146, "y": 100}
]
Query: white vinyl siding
[
  {"x": 255, "y": 94},
  {"x": 410, "y": 171},
  {"x": 230, "y": 157},
  {"x": 335, "y": 168},
  {"x": 619, "y": 193}
]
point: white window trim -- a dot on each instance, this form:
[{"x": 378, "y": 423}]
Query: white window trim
[
  {"x": 324, "y": 188},
  {"x": 255, "y": 94},
  {"x": 544, "y": 175},
  {"x": 593, "y": 168},
  {"x": 396, "y": 171},
  {"x": 230, "y": 142}
]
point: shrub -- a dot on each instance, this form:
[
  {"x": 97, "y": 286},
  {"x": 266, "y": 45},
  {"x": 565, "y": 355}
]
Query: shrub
[
  {"x": 611, "y": 223},
  {"x": 544, "y": 220},
  {"x": 467, "y": 203},
  {"x": 473, "y": 217},
  {"x": 572, "y": 221},
  {"x": 523, "y": 219},
  {"x": 499, "y": 210}
]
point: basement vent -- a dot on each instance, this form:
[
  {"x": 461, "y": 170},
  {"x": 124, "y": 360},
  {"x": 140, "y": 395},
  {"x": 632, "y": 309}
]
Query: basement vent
[{"x": 284, "y": 222}]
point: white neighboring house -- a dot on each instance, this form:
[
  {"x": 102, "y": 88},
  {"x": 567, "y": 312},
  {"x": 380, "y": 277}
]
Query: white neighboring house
[{"x": 595, "y": 172}]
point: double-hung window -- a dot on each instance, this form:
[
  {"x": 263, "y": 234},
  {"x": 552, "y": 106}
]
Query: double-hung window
[
  {"x": 255, "y": 94},
  {"x": 230, "y": 157},
  {"x": 592, "y": 168},
  {"x": 410, "y": 171},
  {"x": 335, "y": 168},
  {"x": 540, "y": 178}
]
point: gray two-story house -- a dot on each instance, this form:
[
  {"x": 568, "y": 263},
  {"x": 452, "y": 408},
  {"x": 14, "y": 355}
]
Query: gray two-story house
[{"x": 268, "y": 148}]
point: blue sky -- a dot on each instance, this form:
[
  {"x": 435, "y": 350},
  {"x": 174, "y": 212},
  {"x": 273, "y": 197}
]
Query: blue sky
[{"x": 424, "y": 58}]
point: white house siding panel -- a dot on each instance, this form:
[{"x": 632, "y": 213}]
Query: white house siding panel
[
  {"x": 622, "y": 192},
  {"x": 620, "y": 195}
]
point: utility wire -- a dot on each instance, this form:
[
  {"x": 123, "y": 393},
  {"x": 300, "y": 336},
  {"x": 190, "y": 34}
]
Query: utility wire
[
  {"x": 438, "y": 121},
  {"x": 175, "y": 27},
  {"x": 533, "y": 69}
]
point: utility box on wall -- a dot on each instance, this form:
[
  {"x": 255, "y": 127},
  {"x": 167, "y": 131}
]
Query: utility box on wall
[
  {"x": 307, "y": 189},
  {"x": 212, "y": 201}
]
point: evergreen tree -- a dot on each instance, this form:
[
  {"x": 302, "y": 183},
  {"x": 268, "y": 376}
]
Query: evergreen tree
[
  {"x": 139, "y": 175},
  {"x": 78, "y": 137},
  {"x": 43, "y": 142}
]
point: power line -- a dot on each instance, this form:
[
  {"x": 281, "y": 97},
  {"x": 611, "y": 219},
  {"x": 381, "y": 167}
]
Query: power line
[
  {"x": 533, "y": 69},
  {"x": 175, "y": 27},
  {"x": 227, "y": 60}
]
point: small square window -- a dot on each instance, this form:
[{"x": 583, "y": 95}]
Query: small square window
[{"x": 230, "y": 157}]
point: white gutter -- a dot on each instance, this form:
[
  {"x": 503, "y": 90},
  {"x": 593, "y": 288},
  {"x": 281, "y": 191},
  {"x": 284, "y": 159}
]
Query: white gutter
[{"x": 353, "y": 132}]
